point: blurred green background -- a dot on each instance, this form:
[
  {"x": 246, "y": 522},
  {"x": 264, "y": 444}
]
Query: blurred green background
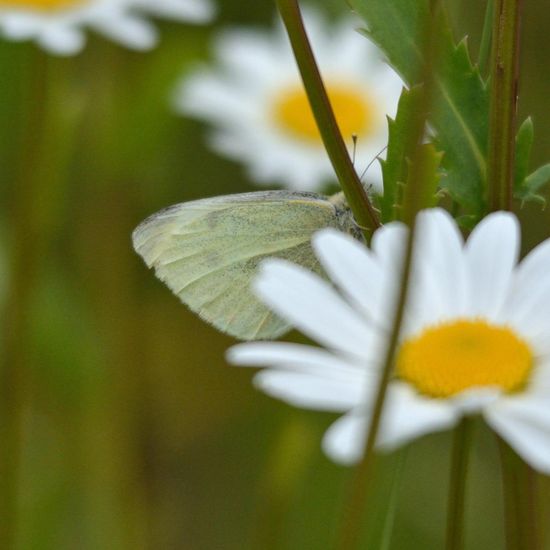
[{"x": 134, "y": 433}]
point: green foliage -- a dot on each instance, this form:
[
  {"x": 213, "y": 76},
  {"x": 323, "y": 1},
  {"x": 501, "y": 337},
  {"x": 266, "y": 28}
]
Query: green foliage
[
  {"x": 428, "y": 171},
  {"x": 397, "y": 27},
  {"x": 394, "y": 168},
  {"x": 460, "y": 111},
  {"x": 524, "y": 144},
  {"x": 526, "y": 186},
  {"x": 460, "y": 119}
]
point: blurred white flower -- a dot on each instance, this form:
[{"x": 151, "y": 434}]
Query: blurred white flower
[
  {"x": 58, "y": 25},
  {"x": 475, "y": 337},
  {"x": 260, "y": 115}
]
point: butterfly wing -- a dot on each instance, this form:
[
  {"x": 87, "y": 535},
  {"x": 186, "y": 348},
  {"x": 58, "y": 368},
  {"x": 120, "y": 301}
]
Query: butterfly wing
[{"x": 207, "y": 252}]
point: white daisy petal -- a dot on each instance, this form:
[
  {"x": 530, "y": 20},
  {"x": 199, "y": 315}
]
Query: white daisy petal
[
  {"x": 312, "y": 306},
  {"x": 17, "y": 26},
  {"x": 491, "y": 254},
  {"x": 197, "y": 11},
  {"x": 408, "y": 416},
  {"x": 344, "y": 440},
  {"x": 388, "y": 243},
  {"x": 534, "y": 266},
  {"x": 525, "y": 424},
  {"x": 474, "y": 400},
  {"x": 304, "y": 359},
  {"x": 133, "y": 32},
  {"x": 62, "y": 40},
  {"x": 59, "y": 29},
  {"x": 531, "y": 305},
  {"x": 308, "y": 391},
  {"x": 439, "y": 250},
  {"x": 352, "y": 268},
  {"x": 271, "y": 125},
  {"x": 469, "y": 344}
]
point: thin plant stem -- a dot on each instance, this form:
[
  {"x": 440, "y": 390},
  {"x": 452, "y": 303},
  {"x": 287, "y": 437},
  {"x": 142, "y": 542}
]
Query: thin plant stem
[
  {"x": 25, "y": 251},
  {"x": 486, "y": 37},
  {"x": 512, "y": 520},
  {"x": 503, "y": 103},
  {"x": 358, "y": 501},
  {"x": 356, "y": 195},
  {"x": 457, "y": 487},
  {"x": 519, "y": 484},
  {"x": 530, "y": 509},
  {"x": 389, "y": 521},
  {"x": 350, "y": 530}
]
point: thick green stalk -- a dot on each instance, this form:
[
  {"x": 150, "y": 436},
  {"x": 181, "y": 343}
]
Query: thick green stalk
[
  {"x": 457, "y": 487},
  {"x": 503, "y": 104},
  {"x": 355, "y": 193},
  {"x": 520, "y": 528}
]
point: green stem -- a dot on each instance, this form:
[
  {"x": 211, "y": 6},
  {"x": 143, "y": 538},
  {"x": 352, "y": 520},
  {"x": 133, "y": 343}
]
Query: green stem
[
  {"x": 486, "y": 37},
  {"x": 457, "y": 488},
  {"x": 512, "y": 519},
  {"x": 350, "y": 529},
  {"x": 503, "y": 103},
  {"x": 389, "y": 520},
  {"x": 355, "y": 193},
  {"x": 519, "y": 483},
  {"x": 530, "y": 509}
]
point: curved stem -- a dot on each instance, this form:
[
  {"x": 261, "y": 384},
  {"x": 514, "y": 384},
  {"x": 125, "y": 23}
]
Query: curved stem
[
  {"x": 355, "y": 193},
  {"x": 503, "y": 103},
  {"x": 457, "y": 487}
]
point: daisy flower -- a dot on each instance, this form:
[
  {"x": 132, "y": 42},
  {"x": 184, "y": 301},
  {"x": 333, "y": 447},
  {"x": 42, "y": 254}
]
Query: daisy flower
[
  {"x": 58, "y": 25},
  {"x": 259, "y": 111},
  {"x": 475, "y": 337}
]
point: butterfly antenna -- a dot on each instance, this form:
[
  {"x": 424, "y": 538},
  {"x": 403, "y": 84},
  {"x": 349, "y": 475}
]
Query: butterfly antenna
[{"x": 372, "y": 162}]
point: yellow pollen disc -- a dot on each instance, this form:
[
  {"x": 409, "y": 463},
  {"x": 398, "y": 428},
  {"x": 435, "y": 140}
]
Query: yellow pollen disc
[
  {"x": 449, "y": 358},
  {"x": 45, "y": 5},
  {"x": 355, "y": 112}
]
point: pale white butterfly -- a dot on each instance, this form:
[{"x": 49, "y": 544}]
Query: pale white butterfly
[{"x": 207, "y": 251}]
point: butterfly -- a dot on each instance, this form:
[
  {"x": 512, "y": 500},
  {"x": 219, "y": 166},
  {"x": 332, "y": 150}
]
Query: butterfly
[{"x": 207, "y": 251}]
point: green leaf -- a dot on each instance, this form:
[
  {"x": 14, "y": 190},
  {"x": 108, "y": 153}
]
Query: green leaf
[
  {"x": 461, "y": 103},
  {"x": 400, "y": 146},
  {"x": 460, "y": 119},
  {"x": 527, "y": 191},
  {"x": 526, "y": 186},
  {"x": 398, "y": 27},
  {"x": 524, "y": 143},
  {"x": 429, "y": 161}
]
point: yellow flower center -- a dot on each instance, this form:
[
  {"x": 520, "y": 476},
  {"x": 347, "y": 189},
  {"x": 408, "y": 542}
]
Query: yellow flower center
[
  {"x": 46, "y": 5},
  {"x": 451, "y": 357},
  {"x": 355, "y": 112}
]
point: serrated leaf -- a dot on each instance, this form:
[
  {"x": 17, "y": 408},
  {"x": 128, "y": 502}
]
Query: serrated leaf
[
  {"x": 524, "y": 143},
  {"x": 400, "y": 146},
  {"x": 461, "y": 103},
  {"x": 460, "y": 119},
  {"x": 398, "y": 27}
]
